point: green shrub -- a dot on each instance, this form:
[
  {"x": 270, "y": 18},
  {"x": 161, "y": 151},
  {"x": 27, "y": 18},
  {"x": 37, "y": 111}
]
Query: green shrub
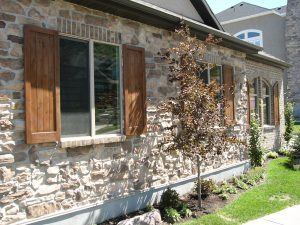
[
  {"x": 283, "y": 152},
  {"x": 223, "y": 196},
  {"x": 256, "y": 174},
  {"x": 149, "y": 208},
  {"x": 228, "y": 188},
  {"x": 171, "y": 215},
  {"x": 255, "y": 149},
  {"x": 240, "y": 184},
  {"x": 272, "y": 155},
  {"x": 295, "y": 153},
  {"x": 218, "y": 190},
  {"x": 207, "y": 186},
  {"x": 169, "y": 199},
  {"x": 185, "y": 211},
  {"x": 289, "y": 121}
]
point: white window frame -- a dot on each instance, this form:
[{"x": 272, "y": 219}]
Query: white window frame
[
  {"x": 209, "y": 68},
  {"x": 256, "y": 88},
  {"x": 253, "y": 39},
  {"x": 269, "y": 95},
  {"x": 92, "y": 89}
]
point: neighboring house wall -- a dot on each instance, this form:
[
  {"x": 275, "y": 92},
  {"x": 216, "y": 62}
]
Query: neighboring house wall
[
  {"x": 36, "y": 180},
  {"x": 292, "y": 37},
  {"x": 273, "y": 28}
]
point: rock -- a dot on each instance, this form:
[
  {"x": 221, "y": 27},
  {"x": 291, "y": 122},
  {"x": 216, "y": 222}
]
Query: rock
[
  {"x": 48, "y": 189},
  {"x": 60, "y": 196},
  {"x": 44, "y": 3},
  {"x": 53, "y": 170},
  {"x": 7, "y": 158},
  {"x": 14, "y": 64},
  {"x": 9, "y": 219},
  {"x": 5, "y": 174},
  {"x": 34, "y": 13},
  {"x": 97, "y": 21},
  {"x": 20, "y": 195},
  {"x": 17, "y": 51},
  {"x": 4, "y": 45},
  {"x": 12, "y": 209},
  {"x": 7, "y": 17},
  {"x": 66, "y": 204},
  {"x": 37, "y": 178},
  {"x": 11, "y": 7},
  {"x": 151, "y": 218},
  {"x": 45, "y": 208},
  {"x": 15, "y": 39},
  {"x": 5, "y": 188},
  {"x": 71, "y": 185},
  {"x": 2, "y": 24}
]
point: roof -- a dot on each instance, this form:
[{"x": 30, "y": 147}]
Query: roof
[
  {"x": 244, "y": 9},
  {"x": 188, "y": 10},
  {"x": 154, "y": 15}
]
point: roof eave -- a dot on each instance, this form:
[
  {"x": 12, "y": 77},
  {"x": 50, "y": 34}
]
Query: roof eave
[
  {"x": 268, "y": 60},
  {"x": 160, "y": 18}
]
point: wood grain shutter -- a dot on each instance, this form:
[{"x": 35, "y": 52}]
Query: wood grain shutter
[
  {"x": 42, "y": 106},
  {"x": 248, "y": 103},
  {"x": 135, "y": 118},
  {"x": 276, "y": 104},
  {"x": 228, "y": 82}
]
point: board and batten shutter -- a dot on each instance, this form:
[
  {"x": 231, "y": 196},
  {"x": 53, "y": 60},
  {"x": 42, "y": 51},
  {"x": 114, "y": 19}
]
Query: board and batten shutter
[
  {"x": 134, "y": 81},
  {"x": 276, "y": 104},
  {"x": 228, "y": 82},
  {"x": 41, "y": 68}
]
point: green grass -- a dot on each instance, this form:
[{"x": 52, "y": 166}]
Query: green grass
[
  {"x": 296, "y": 129},
  {"x": 280, "y": 190}
]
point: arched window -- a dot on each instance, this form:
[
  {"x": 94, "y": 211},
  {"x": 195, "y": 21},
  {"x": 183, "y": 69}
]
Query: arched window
[
  {"x": 252, "y": 36},
  {"x": 266, "y": 107},
  {"x": 253, "y": 95}
]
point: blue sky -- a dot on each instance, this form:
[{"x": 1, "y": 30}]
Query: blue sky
[{"x": 220, "y": 5}]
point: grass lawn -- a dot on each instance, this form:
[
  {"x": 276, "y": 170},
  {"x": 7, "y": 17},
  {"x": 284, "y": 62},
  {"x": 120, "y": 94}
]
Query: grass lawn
[
  {"x": 280, "y": 190},
  {"x": 296, "y": 128}
]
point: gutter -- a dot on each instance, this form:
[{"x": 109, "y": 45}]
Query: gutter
[{"x": 272, "y": 61}]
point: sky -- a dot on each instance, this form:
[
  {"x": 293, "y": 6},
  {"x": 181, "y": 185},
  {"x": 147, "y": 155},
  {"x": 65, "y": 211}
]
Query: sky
[{"x": 219, "y": 5}]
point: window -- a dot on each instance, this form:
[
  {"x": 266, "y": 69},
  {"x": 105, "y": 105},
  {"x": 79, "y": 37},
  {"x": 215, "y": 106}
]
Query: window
[
  {"x": 90, "y": 88},
  {"x": 266, "y": 105},
  {"x": 253, "y": 94},
  {"x": 253, "y": 36},
  {"x": 212, "y": 73}
]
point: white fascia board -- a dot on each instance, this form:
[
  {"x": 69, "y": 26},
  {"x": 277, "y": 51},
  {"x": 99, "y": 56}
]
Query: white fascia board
[{"x": 252, "y": 16}]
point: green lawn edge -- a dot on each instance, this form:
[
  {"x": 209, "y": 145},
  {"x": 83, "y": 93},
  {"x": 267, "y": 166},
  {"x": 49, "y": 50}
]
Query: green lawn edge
[{"x": 280, "y": 190}]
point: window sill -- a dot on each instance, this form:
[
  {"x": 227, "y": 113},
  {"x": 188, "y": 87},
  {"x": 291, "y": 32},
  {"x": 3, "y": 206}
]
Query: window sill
[
  {"x": 268, "y": 127},
  {"x": 73, "y": 142}
]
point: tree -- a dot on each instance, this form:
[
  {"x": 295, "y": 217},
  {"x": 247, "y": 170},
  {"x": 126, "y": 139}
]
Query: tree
[
  {"x": 255, "y": 149},
  {"x": 289, "y": 122},
  {"x": 197, "y": 129}
]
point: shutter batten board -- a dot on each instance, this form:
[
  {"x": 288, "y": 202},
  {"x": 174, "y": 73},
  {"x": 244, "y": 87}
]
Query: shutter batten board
[
  {"x": 276, "y": 104},
  {"x": 135, "y": 118},
  {"x": 228, "y": 82},
  {"x": 41, "y": 69}
]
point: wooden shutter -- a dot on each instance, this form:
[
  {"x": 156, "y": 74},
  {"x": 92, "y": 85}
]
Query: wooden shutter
[
  {"x": 248, "y": 103},
  {"x": 135, "y": 120},
  {"x": 276, "y": 104},
  {"x": 41, "y": 66},
  {"x": 228, "y": 82}
]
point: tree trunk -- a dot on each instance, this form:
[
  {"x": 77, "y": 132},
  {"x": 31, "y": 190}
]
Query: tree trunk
[{"x": 199, "y": 182}]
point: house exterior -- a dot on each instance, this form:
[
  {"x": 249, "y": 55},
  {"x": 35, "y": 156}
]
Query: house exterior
[
  {"x": 276, "y": 30},
  {"x": 80, "y": 85},
  {"x": 261, "y": 26}
]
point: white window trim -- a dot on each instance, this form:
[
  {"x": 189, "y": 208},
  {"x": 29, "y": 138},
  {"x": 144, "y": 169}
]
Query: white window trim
[
  {"x": 102, "y": 138},
  {"x": 209, "y": 68},
  {"x": 269, "y": 105},
  {"x": 245, "y": 32}
]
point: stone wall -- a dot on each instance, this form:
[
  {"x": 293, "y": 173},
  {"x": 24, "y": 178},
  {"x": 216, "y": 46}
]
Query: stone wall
[
  {"x": 272, "y": 136},
  {"x": 36, "y": 180},
  {"x": 292, "y": 38}
]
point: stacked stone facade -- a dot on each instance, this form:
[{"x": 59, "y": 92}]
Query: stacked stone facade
[
  {"x": 292, "y": 38},
  {"x": 37, "y": 180}
]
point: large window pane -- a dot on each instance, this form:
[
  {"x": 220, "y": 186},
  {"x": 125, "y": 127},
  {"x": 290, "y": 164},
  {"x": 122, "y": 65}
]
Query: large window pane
[
  {"x": 216, "y": 74},
  {"x": 107, "y": 88},
  {"x": 74, "y": 88}
]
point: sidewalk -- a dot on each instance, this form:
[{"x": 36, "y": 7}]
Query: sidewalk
[{"x": 289, "y": 216}]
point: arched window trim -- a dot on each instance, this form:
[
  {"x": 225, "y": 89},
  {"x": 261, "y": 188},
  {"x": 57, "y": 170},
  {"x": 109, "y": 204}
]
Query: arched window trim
[{"x": 246, "y": 32}]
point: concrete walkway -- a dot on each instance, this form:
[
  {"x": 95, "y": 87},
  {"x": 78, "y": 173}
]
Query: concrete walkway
[{"x": 289, "y": 216}]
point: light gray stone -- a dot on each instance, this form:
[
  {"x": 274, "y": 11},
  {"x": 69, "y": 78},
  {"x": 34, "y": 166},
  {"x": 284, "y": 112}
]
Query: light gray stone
[
  {"x": 151, "y": 218},
  {"x": 48, "y": 189}
]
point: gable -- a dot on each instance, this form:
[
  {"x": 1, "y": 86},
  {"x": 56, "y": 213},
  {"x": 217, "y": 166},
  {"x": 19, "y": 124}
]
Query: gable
[
  {"x": 184, "y": 8},
  {"x": 239, "y": 10}
]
